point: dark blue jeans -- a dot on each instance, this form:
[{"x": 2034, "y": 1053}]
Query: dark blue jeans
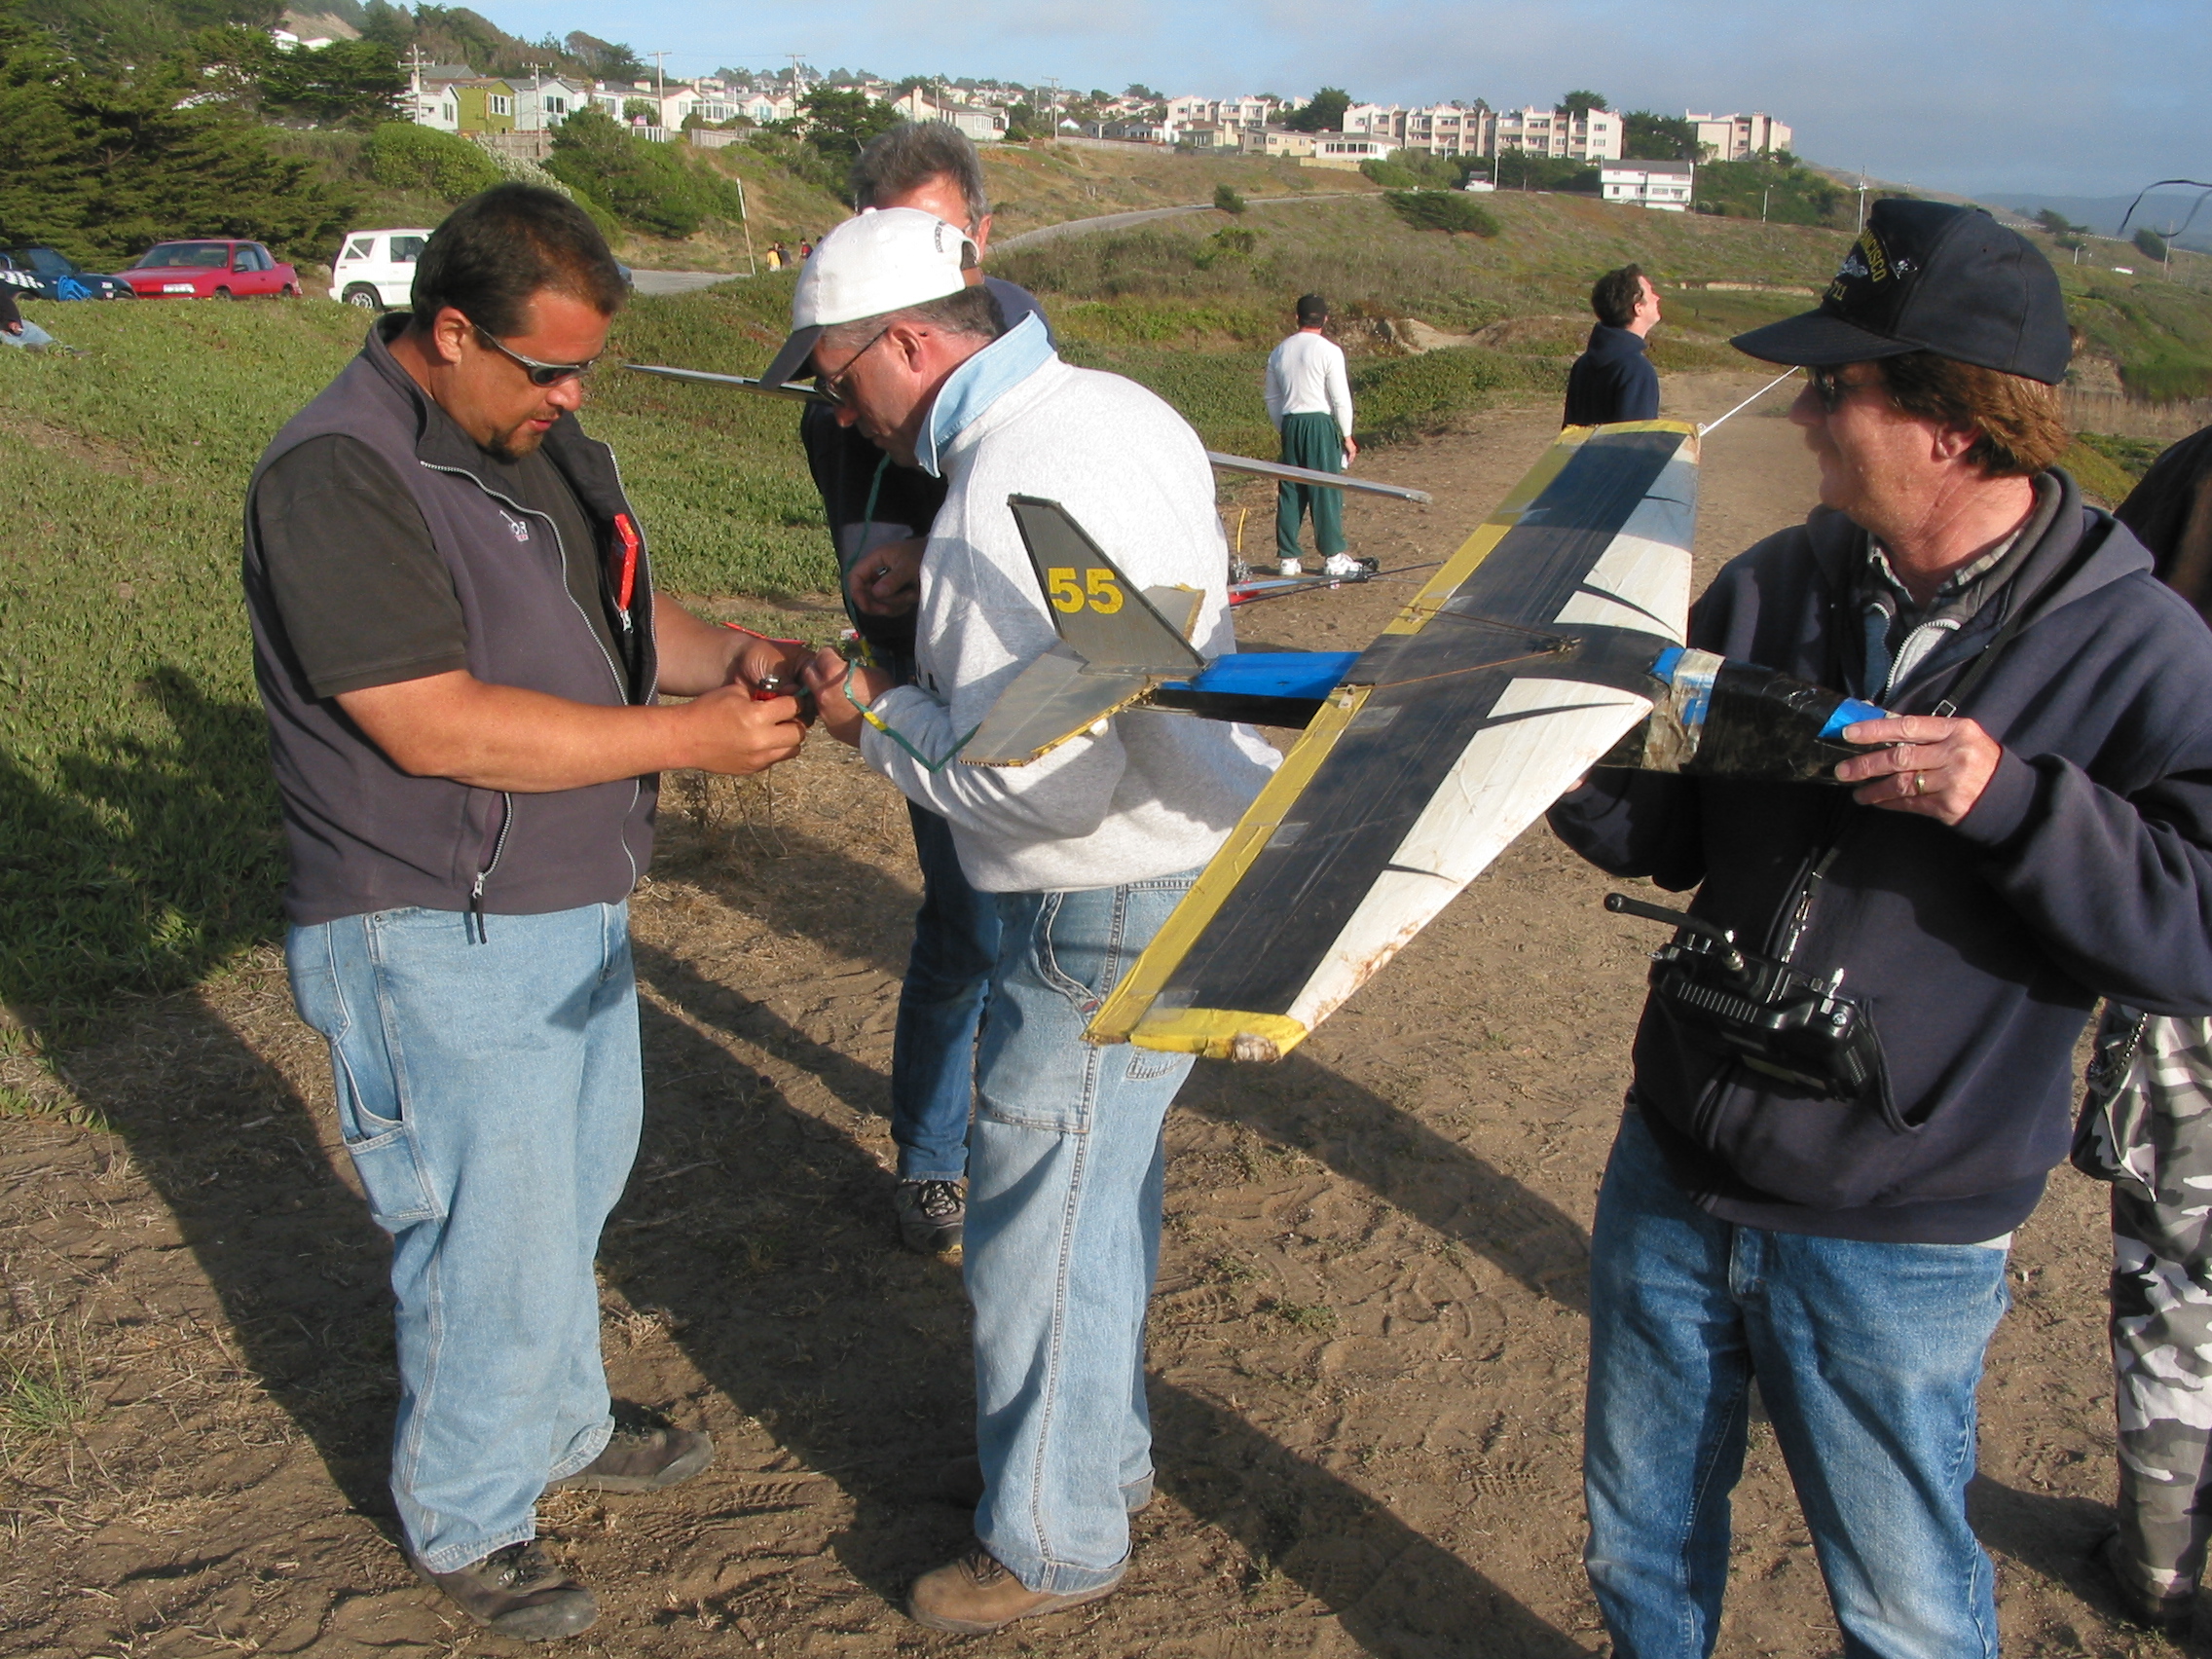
[
  {"x": 948, "y": 981},
  {"x": 1867, "y": 1355}
]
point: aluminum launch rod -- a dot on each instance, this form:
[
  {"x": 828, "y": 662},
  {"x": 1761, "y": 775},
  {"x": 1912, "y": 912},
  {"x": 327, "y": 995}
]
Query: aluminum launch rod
[
  {"x": 1749, "y": 401},
  {"x": 1306, "y": 475},
  {"x": 1234, "y": 462}
]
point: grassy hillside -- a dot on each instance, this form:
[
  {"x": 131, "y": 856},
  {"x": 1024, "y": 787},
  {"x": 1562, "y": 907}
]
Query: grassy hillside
[
  {"x": 1044, "y": 184},
  {"x": 137, "y": 843}
]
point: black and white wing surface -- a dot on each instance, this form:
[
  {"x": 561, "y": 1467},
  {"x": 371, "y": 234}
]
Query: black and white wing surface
[{"x": 1523, "y": 660}]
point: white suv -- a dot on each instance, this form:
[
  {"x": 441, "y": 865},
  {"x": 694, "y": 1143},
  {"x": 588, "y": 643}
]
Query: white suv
[{"x": 375, "y": 269}]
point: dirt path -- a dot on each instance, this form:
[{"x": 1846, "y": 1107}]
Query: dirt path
[{"x": 1369, "y": 1341}]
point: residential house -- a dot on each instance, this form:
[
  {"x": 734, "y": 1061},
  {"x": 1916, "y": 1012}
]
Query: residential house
[
  {"x": 429, "y": 100},
  {"x": 543, "y": 101},
  {"x": 484, "y": 103},
  {"x": 983, "y": 125},
  {"x": 1206, "y": 135},
  {"x": 1346, "y": 150},
  {"x": 1665, "y": 185},
  {"x": 1737, "y": 137},
  {"x": 1275, "y": 141}
]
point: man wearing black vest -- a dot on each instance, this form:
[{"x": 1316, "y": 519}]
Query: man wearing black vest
[{"x": 461, "y": 655}]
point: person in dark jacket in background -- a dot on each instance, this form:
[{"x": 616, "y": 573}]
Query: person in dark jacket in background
[
  {"x": 460, "y": 653},
  {"x": 1613, "y": 379},
  {"x": 14, "y": 329},
  {"x": 2030, "y": 829},
  {"x": 879, "y": 516},
  {"x": 2171, "y": 511}
]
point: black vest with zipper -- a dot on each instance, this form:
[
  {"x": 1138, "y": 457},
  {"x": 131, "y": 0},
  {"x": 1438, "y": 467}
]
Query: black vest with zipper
[{"x": 366, "y": 836}]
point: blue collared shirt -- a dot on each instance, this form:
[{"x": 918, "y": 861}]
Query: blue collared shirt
[{"x": 978, "y": 382}]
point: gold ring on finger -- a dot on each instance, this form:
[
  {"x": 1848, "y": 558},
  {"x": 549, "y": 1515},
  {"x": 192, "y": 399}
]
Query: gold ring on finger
[{"x": 1920, "y": 783}]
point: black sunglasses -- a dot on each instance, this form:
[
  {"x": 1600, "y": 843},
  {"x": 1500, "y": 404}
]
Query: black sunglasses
[
  {"x": 1833, "y": 390},
  {"x": 830, "y": 388},
  {"x": 540, "y": 373}
]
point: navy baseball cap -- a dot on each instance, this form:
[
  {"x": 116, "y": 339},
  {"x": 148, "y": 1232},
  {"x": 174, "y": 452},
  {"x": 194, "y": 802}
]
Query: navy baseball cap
[{"x": 1931, "y": 277}]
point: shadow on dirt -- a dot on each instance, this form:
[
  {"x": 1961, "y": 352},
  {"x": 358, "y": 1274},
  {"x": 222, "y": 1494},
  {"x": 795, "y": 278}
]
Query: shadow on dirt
[
  {"x": 868, "y": 1380},
  {"x": 816, "y": 892},
  {"x": 750, "y": 1225}
]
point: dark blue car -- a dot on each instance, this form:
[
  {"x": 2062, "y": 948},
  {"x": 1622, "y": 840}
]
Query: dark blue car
[{"x": 40, "y": 272}]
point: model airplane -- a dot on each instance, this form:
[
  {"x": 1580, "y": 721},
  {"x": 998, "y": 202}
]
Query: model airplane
[{"x": 1549, "y": 643}]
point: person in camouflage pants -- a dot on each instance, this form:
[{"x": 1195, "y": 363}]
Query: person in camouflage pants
[{"x": 2147, "y": 1129}]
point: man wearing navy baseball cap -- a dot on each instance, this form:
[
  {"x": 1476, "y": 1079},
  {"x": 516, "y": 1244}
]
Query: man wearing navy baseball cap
[{"x": 2028, "y": 829}]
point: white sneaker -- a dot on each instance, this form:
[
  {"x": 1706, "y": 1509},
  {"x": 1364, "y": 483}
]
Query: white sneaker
[
  {"x": 1290, "y": 568},
  {"x": 1343, "y": 565}
]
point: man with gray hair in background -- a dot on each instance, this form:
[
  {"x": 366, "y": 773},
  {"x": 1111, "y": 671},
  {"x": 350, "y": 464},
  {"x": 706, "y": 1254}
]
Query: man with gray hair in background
[{"x": 879, "y": 515}]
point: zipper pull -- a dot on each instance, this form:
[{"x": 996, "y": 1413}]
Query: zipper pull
[{"x": 476, "y": 908}]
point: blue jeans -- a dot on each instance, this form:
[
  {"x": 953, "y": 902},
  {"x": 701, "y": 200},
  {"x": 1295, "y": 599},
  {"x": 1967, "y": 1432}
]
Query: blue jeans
[
  {"x": 1867, "y": 1358},
  {"x": 941, "y": 1005},
  {"x": 490, "y": 1094},
  {"x": 1064, "y": 1167},
  {"x": 31, "y": 338}
]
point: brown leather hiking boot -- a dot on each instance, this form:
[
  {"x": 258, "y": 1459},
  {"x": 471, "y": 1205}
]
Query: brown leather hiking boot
[
  {"x": 519, "y": 1590},
  {"x": 975, "y": 1595},
  {"x": 641, "y": 1457}
]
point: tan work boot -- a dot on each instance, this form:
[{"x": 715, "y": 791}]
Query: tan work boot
[{"x": 975, "y": 1595}]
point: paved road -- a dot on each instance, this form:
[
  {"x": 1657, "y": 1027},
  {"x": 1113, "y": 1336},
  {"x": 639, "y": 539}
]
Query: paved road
[
  {"x": 679, "y": 282},
  {"x": 1145, "y": 216}
]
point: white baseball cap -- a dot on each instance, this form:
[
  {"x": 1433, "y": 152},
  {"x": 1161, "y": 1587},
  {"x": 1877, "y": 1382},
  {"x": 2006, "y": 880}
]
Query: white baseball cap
[{"x": 884, "y": 260}]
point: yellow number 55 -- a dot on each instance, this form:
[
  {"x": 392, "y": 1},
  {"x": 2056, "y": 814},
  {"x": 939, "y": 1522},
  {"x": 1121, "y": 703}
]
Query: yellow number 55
[{"x": 1103, "y": 595}]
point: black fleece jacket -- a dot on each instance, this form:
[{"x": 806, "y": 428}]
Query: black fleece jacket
[
  {"x": 2084, "y": 870},
  {"x": 1613, "y": 379}
]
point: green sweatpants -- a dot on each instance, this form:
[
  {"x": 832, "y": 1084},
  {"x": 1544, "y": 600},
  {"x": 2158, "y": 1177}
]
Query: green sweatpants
[{"x": 1313, "y": 442}]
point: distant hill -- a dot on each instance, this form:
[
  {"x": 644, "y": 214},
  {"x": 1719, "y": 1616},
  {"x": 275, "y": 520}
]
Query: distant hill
[{"x": 2102, "y": 213}]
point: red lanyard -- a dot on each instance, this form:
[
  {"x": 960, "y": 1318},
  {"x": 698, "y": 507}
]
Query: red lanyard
[{"x": 626, "y": 580}]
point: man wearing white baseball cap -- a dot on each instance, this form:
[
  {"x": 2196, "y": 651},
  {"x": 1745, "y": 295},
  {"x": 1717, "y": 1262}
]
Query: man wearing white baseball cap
[{"x": 1087, "y": 850}]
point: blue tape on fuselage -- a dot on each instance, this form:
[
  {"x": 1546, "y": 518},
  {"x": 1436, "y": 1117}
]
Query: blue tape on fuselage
[{"x": 1850, "y": 711}]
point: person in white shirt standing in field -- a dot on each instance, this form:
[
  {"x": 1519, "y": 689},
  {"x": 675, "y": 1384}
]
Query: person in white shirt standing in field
[{"x": 1310, "y": 401}]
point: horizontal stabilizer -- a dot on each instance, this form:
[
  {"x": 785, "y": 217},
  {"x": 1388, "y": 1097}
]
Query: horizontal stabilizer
[{"x": 1051, "y": 700}]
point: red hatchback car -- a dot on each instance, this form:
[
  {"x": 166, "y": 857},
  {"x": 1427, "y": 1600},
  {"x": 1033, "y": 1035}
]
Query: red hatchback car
[{"x": 208, "y": 271}]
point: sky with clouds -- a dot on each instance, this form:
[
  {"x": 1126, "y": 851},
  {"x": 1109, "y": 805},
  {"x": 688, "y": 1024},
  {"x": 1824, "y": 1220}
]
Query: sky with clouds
[{"x": 1973, "y": 97}]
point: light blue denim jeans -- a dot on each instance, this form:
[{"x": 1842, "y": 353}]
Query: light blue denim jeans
[
  {"x": 1065, "y": 1166},
  {"x": 32, "y": 339},
  {"x": 490, "y": 1095},
  {"x": 1867, "y": 1357}
]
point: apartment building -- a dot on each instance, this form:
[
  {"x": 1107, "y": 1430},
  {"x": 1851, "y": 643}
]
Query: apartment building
[
  {"x": 1593, "y": 136},
  {"x": 1737, "y": 137},
  {"x": 1437, "y": 130},
  {"x": 1248, "y": 111}
]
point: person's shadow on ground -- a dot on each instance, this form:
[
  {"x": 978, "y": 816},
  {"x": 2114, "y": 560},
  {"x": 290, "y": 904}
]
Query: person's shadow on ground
[{"x": 805, "y": 1339}]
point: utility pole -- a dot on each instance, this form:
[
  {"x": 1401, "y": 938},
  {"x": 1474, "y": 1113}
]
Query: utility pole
[
  {"x": 1766, "y": 195},
  {"x": 660, "y": 90},
  {"x": 1861, "y": 198}
]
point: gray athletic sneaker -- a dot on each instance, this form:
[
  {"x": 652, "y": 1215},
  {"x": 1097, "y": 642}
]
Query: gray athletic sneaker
[
  {"x": 931, "y": 1215},
  {"x": 520, "y": 1592}
]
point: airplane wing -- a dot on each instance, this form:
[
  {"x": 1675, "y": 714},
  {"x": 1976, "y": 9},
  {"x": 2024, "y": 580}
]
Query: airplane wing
[{"x": 1523, "y": 659}]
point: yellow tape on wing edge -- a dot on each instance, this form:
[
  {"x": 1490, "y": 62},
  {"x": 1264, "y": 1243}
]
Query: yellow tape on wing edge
[
  {"x": 1117, "y": 1021},
  {"x": 1128, "y": 1015}
]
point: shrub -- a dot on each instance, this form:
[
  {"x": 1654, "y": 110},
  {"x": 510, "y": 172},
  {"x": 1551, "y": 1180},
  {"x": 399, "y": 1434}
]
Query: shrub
[
  {"x": 1230, "y": 241},
  {"x": 1448, "y": 210},
  {"x": 648, "y": 186},
  {"x": 1413, "y": 170},
  {"x": 1226, "y": 199},
  {"x": 2150, "y": 244},
  {"x": 407, "y": 157}
]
